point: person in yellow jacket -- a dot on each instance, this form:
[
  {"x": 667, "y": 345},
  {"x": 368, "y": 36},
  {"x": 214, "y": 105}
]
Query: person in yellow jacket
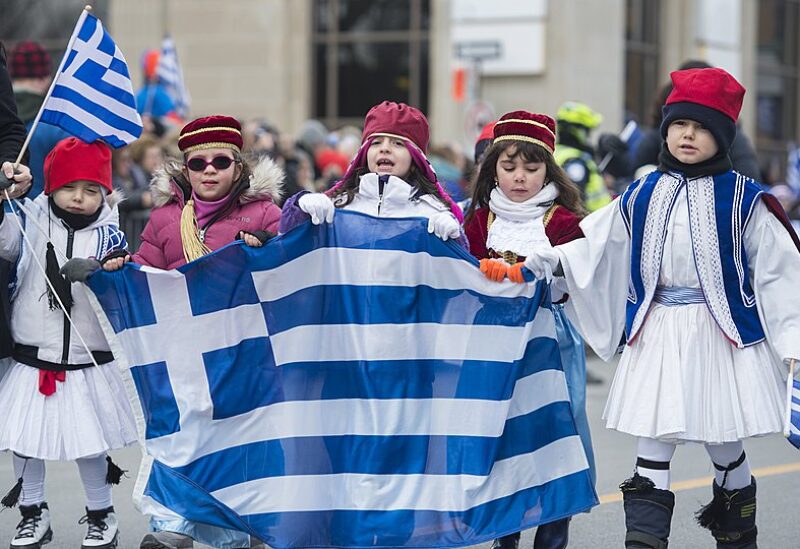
[{"x": 575, "y": 154}]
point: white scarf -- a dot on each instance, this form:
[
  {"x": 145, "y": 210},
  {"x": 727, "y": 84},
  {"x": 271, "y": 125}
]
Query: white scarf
[{"x": 519, "y": 226}]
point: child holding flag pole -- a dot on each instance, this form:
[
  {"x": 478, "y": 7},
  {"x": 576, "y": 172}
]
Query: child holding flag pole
[{"x": 63, "y": 398}]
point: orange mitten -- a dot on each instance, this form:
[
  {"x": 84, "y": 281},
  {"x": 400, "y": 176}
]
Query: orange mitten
[
  {"x": 515, "y": 272},
  {"x": 494, "y": 270}
]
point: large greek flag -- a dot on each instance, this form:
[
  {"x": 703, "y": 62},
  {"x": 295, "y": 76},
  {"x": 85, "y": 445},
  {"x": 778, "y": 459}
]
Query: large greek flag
[
  {"x": 92, "y": 95},
  {"x": 354, "y": 384}
]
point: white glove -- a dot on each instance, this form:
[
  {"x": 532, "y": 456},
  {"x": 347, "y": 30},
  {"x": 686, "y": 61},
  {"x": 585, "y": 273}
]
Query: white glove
[
  {"x": 444, "y": 225},
  {"x": 318, "y": 206},
  {"x": 542, "y": 261}
]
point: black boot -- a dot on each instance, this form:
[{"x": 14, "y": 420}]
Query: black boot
[
  {"x": 648, "y": 513},
  {"x": 731, "y": 517},
  {"x": 553, "y": 535},
  {"x": 511, "y": 541}
]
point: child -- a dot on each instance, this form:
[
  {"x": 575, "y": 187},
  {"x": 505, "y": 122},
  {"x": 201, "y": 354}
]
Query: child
[
  {"x": 389, "y": 177},
  {"x": 522, "y": 198},
  {"x": 57, "y": 402},
  {"x": 699, "y": 267},
  {"x": 208, "y": 201}
]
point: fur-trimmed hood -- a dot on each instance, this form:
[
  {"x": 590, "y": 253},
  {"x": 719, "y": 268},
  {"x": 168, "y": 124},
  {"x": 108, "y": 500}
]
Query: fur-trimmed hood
[{"x": 265, "y": 183}]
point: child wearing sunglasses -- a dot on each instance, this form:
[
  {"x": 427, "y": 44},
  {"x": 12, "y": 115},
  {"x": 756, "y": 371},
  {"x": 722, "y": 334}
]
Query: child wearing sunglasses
[
  {"x": 389, "y": 177},
  {"x": 210, "y": 200},
  {"x": 207, "y": 202}
]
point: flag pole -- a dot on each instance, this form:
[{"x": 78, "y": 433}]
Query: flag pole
[
  {"x": 789, "y": 389},
  {"x": 72, "y": 38}
]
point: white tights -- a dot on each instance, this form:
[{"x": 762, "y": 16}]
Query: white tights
[
  {"x": 93, "y": 474},
  {"x": 655, "y": 455}
]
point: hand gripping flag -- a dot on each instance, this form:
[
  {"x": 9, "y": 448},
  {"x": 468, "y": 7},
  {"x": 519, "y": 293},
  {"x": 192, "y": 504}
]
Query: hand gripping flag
[
  {"x": 354, "y": 384},
  {"x": 92, "y": 96}
]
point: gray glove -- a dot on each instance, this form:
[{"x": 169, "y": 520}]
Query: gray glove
[
  {"x": 79, "y": 269},
  {"x": 5, "y": 182}
]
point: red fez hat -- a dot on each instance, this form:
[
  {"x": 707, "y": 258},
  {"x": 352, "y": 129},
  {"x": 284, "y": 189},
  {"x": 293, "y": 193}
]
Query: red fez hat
[
  {"x": 532, "y": 127},
  {"x": 397, "y": 120},
  {"x": 211, "y": 132},
  {"x": 710, "y": 87},
  {"x": 74, "y": 160}
]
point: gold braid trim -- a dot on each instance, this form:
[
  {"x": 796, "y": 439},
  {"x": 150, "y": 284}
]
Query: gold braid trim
[
  {"x": 531, "y": 122},
  {"x": 214, "y": 129},
  {"x": 215, "y": 145},
  {"x": 524, "y": 138},
  {"x": 193, "y": 247}
]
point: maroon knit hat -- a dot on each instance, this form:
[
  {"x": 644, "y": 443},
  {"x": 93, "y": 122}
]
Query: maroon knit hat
[
  {"x": 397, "y": 120},
  {"x": 211, "y": 132},
  {"x": 531, "y": 127},
  {"x": 29, "y": 60}
]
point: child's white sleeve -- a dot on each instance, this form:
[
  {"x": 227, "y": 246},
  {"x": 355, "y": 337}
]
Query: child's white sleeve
[
  {"x": 774, "y": 263},
  {"x": 596, "y": 271},
  {"x": 10, "y": 237}
]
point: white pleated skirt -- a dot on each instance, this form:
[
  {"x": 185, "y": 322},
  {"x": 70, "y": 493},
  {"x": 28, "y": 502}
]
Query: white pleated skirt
[
  {"x": 682, "y": 381},
  {"x": 88, "y": 414}
]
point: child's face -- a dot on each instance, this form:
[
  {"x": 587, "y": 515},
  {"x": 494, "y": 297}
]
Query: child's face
[
  {"x": 204, "y": 169},
  {"x": 690, "y": 142},
  {"x": 388, "y": 156},
  {"x": 79, "y": 197},
  {"x": 518, "y": 178}
]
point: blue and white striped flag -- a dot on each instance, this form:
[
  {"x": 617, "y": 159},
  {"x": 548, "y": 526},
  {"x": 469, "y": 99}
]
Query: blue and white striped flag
[
  {"x": 92, "y": 95},
  {"x": 793, "y": 168},
  {"x": 793, "y": 419},
  {"x": 354, "y": 384},
  {"x": 171, "y": 76}
]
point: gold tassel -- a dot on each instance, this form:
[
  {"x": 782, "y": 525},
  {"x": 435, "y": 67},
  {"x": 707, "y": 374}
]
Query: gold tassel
[{"x": 193, "y": 247}]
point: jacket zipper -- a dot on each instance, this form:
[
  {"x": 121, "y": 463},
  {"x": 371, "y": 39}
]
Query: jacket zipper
[
  {"x": 381, "y": 184},
  {"x": 67, "y": 326}
]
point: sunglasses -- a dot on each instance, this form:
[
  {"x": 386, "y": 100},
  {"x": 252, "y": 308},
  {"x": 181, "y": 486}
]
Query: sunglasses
[{"x": 198, "y": 164}]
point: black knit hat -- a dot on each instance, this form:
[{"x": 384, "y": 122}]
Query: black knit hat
[{"x": 721, "y": 127}]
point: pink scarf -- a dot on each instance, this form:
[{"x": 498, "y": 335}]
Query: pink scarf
[{"x": 205, "y": 210}]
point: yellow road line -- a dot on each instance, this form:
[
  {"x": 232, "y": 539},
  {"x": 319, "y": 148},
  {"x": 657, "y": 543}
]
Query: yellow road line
[{"x": 706, "y": 481}]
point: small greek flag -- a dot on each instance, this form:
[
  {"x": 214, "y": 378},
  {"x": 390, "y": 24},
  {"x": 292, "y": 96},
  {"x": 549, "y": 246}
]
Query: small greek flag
[
  {"x": 92, "y": 96},
  {"x": 793, "y": 168},
  {"x": 171, "y": 76},
  {"x": 793, "y": 427}
]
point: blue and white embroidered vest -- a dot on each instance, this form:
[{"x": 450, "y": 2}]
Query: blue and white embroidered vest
[{"x": 719, "y": 209}]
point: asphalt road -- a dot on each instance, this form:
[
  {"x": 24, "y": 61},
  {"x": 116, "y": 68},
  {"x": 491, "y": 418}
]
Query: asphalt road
[{"x": 775, "y": 462}]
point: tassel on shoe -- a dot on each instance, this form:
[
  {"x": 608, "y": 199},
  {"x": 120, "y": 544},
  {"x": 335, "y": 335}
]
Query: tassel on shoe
[
  {"x": 12, "y": 497},
  {"x": 114, "y": 473},
  {"x": 711, "y": 513},
  {"x": 637, "y": 483}
]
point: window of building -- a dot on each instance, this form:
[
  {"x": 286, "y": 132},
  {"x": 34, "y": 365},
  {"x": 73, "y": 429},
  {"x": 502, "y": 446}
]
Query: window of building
[
  {"x": 778, "y": 68},
  {"x": 367, "y": 51},
  {"x": 641, "y": 58}
]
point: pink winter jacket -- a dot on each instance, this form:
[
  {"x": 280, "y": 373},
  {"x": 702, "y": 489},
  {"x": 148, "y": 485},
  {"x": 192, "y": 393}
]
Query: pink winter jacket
[{"x": 161, "y": 245}]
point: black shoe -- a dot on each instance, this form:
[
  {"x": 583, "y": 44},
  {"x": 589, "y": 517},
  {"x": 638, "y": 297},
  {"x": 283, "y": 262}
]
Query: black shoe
[
  {"x": 510, "y": 541},
  {"x": 731, "y": 517},
  {"x": 553, "y": 535},
  {"x": 648, "y": 513}
]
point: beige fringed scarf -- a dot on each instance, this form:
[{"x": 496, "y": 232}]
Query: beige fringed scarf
[{"x": 193, "y": 245}]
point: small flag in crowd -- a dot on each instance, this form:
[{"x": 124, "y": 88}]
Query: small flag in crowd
[
  {"x": 171, "y": 76},
  {"x": 793, "y": 168},
  {"x": 354, "y": 384},
  {"x": 792, "y": 430},
  {"x": 92, "y": 95}
]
